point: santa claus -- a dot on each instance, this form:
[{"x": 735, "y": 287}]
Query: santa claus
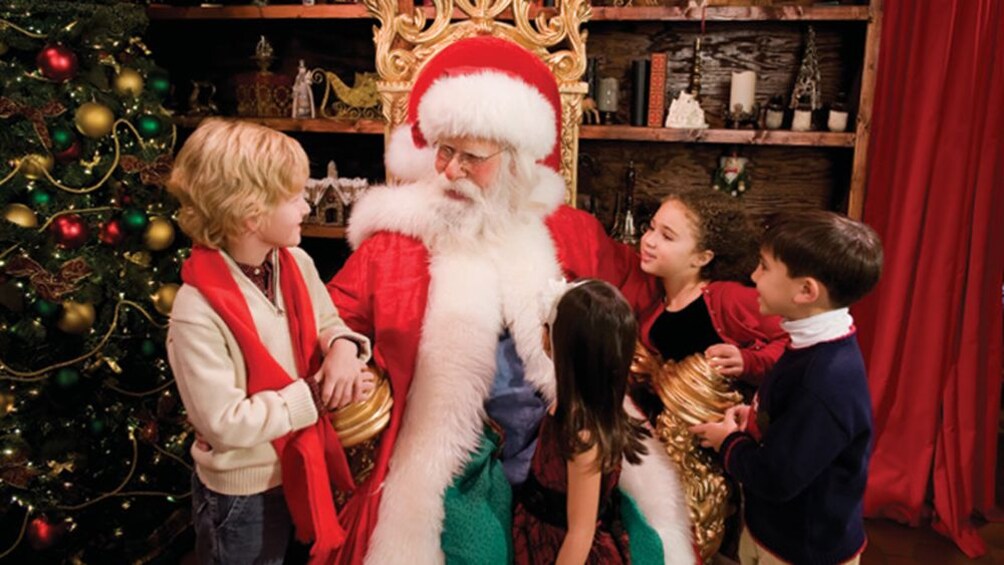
[{"x": 448, "y": 277}]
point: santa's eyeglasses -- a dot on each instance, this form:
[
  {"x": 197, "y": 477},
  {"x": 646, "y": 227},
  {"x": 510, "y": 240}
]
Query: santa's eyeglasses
[{"x": 446, "y": 153}]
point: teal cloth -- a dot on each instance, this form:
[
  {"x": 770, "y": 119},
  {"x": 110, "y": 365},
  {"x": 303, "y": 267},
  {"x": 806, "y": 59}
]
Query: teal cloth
[
  {"x": 646, "y": 546},
  {"x": 477, "y": 527}
]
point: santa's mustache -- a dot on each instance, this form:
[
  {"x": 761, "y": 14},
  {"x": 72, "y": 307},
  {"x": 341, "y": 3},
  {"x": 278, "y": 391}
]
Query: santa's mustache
[{"x": 462, "y": 187}]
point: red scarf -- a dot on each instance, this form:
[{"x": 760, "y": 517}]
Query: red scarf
[{"x": 311, "y": 458}]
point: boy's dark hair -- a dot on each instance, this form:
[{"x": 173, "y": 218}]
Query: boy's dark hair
[
  {"x": 845, "y": 256},
  {"x": 722, "y": 228},
  {"x": 592, "y": 342}
]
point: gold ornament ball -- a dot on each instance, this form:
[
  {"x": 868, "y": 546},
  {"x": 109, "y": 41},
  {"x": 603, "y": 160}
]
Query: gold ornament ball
[
  {"x": 94, "y": 120},
  {"x": 35, "y": 166},
  {"x": 21, "y": 215},
  {"x": 7, "y": 401},
  {"x": 3, "y": 48},
  {"x": 159, "y": 233},
  {"x": 77, "y": 317},
  {"x": 163, "y": 299},
  {"x": 129, "y": 82}
]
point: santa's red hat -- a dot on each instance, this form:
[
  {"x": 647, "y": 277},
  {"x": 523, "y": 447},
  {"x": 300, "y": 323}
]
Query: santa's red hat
[{"x": 482, "y": 87}]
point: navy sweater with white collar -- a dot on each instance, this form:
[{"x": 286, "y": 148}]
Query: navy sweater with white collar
[{"x": 803, "y": 479}]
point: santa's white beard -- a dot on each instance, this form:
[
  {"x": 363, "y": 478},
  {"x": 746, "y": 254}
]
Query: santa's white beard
[{"x": 481, "y": 216}]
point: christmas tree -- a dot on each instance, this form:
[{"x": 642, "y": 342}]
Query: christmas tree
[
  {"x": 92, "y": 435},
  {"x": 807, "y": 84}
]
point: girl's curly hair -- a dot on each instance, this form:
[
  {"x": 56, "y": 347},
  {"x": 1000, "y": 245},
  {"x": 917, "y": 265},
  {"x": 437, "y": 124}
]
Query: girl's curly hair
[{"x": 723, "y": 228}]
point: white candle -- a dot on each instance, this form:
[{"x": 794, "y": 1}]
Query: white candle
[
  {"x": 802, "y": 120},
  {"x": 607, "y": 97},
  {"x": 743, "y": 91},
  {"x": 774, "y": 119},
  {"x": 837, "y": 121}
]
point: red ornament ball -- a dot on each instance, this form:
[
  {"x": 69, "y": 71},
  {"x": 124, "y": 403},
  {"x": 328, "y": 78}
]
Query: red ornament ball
[
  {"x": 111, "y": 233},
  {"x": 43, "y": 534},
  {"x": 71, "y": 153},
  {"x": 57, "y": 63},
  {"x": 70, "y": 231}
]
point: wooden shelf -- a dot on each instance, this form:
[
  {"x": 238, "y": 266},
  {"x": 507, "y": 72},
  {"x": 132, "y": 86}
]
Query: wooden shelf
[
  {"x": 323, "y": 231},
  {"x": 733, "y": 13},
  {"x": 278, "y": 12},
  {"x": 728, "y": 136},
  {"x": 314, "y": 125}
]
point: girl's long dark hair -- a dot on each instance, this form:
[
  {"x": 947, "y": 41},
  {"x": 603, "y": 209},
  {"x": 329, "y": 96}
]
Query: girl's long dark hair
[{"x": 592, "y": 342}]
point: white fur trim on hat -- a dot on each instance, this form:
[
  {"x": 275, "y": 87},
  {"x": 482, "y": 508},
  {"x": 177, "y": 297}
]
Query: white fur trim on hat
[
  {"x": 489, "y": 105},
  {"x": 404, "y": 161}
]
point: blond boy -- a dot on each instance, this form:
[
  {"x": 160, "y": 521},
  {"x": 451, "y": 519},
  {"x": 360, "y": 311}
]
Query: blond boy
[
  {"x": 257, "y": 348},
  {"x": 801, "y": 451}
]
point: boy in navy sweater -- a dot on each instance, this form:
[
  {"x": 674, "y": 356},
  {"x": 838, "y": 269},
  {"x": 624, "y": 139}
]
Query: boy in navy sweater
[{"x": 801, "y": 451}]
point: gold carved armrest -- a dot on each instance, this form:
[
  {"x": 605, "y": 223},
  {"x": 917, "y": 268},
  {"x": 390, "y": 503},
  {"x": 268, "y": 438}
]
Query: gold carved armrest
[
  {"x": 691, "y": 392},
  {"x": 360, "y": 426}
]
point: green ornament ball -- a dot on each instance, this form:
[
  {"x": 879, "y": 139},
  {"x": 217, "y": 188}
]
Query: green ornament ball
[
  {"x": 97, "y": 426},
  {"x": 148, "y": 348},
  {"x": 149, "y": 125},
  {"x": 40, "y": 198},
  {"x": 134, "y": 220},
  {"x": 45, "y": 309},
  {"x": 62, "y": 138},
  {"x": 67, "y": 378},
  {"x": 159, "y": 83}
]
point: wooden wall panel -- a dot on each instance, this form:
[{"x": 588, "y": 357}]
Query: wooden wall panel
[{"x": 782, "y": 177}]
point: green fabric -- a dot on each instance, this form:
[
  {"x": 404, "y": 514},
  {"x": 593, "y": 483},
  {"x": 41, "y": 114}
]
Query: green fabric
[
  {"x": 478, "y": 524},
  {"x": 646, "y": 546}
]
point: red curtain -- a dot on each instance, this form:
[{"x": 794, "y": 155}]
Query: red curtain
[{"x": 931, "y": 331}]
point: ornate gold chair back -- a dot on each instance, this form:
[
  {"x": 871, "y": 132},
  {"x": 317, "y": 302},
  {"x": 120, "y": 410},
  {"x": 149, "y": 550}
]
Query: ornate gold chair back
[{"x": 405, "y": 41}]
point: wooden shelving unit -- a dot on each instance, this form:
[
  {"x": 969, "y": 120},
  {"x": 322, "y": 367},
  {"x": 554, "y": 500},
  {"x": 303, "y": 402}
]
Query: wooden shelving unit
[
  {"x": 311, "y": 125},
  {"x": 732, "y": 13},
  {"x": 323, "y": 231},
  {"x": 635, "y": 31},
  {"x": 728, "y": 136},
  {"x": 278, "y": 12}
]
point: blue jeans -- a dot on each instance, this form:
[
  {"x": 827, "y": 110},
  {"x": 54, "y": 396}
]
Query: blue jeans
[{"x": 240, "y": 529}]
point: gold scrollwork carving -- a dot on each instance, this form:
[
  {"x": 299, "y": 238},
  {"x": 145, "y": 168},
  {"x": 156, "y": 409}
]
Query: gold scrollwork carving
[{"x": 405, "y": 41}]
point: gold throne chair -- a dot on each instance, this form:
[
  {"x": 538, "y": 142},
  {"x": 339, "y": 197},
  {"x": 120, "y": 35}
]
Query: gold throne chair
[{"x": 405, "y": 41}]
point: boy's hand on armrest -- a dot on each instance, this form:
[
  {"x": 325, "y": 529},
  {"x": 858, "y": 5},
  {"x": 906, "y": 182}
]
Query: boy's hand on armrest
[
  {"x": 339, "y": 373},
  {"x": 365, "y": 385},
  {"x": 725, "y": 358},
  {"x": 741, "y": 414},
  {"x": 712, "y": 434}
]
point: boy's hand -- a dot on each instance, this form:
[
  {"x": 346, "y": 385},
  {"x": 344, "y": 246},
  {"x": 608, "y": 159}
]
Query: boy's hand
[
  {"x": 725, "y": 358},
  {"x": 365, "y": 385},
  {"x": 741, "y": 414},
  {"x": 713, "y": 434},
  {"x": 340, "y": 374}
]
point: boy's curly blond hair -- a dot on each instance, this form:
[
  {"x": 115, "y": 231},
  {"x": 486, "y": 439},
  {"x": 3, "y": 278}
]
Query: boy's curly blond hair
[{"x": 229, "y": 172}]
